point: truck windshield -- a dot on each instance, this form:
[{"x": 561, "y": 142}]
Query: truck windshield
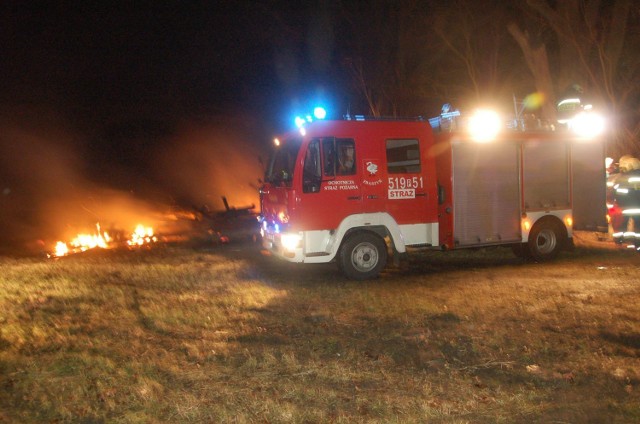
[{"x": 283, "y": 162}]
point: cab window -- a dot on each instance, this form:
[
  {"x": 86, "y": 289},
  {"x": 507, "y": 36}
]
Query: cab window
[
  {"x": 403, "y": 156},
  {"x": 312, "y": 174},
  {"x": 339, "y": 156},
  {"x": 283, "y": 163}
]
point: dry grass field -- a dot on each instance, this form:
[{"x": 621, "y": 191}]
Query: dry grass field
[{"x": 227, "y": 335}]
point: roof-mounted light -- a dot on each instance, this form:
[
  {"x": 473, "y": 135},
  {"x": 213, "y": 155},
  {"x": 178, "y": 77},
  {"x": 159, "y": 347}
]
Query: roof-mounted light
[
  {"x": 484, "y": 125},
  {"x": 587, "y": 124},
  {"x": 319, "y": 112}
]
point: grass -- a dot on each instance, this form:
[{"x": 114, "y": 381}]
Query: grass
[{"x": 228, "y": 335}]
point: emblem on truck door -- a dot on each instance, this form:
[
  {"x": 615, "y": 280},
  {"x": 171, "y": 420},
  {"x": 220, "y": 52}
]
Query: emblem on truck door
[{"x": 372, "y": 168}]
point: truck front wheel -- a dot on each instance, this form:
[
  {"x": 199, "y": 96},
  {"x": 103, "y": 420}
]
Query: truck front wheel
[
  {"x": 362, "y": 256},
  {"x": 546, "y": 239}
]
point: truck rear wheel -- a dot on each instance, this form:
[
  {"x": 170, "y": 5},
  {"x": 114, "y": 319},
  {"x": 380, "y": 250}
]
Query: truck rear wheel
[
  {"x": 546, "y": 239},
  {"x": 362, "y": 256}
]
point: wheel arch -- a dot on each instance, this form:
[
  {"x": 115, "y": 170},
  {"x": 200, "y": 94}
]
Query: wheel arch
[
  {"x": 379, "y": 230},
  {"x": 552, "y": 220},
  {"x": 547, "y": 238},
  {"x": 381, "y": 224}
]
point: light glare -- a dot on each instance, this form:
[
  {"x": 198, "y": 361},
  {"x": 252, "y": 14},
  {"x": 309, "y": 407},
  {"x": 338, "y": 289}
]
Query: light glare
[
  {"x": 587, "y": 124},
  {"x": 319, "y": 112},
  {"x": 569, "y": 221},
  {"x": 484, "y": 125},
  {"x": 290, "y": 241}
]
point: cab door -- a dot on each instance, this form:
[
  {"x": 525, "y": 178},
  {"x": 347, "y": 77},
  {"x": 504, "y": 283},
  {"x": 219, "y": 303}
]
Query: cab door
[
  {"x": 408, "y": 182},
  {"x": 329, "y": 188},
  {"x": 373, "y": 176}
]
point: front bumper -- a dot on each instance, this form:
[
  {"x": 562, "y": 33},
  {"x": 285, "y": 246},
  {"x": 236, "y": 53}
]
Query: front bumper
[{"x": 273, "y": 243}]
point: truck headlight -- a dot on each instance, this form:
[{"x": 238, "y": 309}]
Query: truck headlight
[{"x": 290, "y": 241}]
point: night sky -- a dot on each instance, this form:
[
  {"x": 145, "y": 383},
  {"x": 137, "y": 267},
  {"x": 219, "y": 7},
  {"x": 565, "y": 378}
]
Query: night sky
[
  {"x": 169, "y": 102},
  {"x": 159, "y": 61}
]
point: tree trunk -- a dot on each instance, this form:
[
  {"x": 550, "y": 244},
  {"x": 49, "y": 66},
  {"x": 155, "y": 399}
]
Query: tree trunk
[{"x": 538, "y": 63}]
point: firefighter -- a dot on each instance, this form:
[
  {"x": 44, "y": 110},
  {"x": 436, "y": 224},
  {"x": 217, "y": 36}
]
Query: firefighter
[
  {"x": 625, "y": 193},
  {"x": 346, "y": 155}
]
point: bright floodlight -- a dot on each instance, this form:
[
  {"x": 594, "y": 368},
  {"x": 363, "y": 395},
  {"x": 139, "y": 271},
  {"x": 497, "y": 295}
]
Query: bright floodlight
[
  {"x": 484, "y": 125},
  {"x": 319, "y": 112},
  {"x": 587, "y": 124}
]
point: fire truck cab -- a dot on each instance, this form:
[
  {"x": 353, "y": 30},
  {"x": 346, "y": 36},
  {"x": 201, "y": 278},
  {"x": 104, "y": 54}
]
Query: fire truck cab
[{"x": 356, "y": 190}]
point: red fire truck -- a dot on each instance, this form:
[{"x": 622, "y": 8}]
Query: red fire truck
[{"x": 358, "y": 190}]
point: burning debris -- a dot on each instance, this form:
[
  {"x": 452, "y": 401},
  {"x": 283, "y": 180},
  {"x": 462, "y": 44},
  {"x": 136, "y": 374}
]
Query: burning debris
[
  {"x": 234, "y": 223},
  {"x": 201, "y": 227},
  {"x": 141, "y": 236}
]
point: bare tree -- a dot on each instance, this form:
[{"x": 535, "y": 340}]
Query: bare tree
[
  {"x": 535, "y": 54},
  {"x": 593, "y": 47},
  {"x": 411, "y": 56},
  {"x": 472, "y": 36},
  {"x": 386, "y": 42}
]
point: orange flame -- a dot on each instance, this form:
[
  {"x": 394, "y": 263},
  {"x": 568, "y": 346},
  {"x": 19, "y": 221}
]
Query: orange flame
[
  {"x": 83, "y": 242},
  {"x": 142, "y": 235}
]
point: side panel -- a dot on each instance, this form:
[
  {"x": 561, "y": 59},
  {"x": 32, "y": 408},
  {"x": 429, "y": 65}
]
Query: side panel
[
  {"x": 441, "y": 154},
  {"x": 486, "y": 191},
  {"x": 589, "y": 189},
  {"x": 546, "y": 175},
  {"x": 414, "y": 234}
]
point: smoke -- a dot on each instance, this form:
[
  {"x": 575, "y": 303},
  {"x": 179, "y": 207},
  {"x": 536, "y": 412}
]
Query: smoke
[
  {"x": 48, "y": 191},
  {"x": 209, "y": 160},
  {"x": 45, "y": 195},
  {"x": 38, "y": 164}
]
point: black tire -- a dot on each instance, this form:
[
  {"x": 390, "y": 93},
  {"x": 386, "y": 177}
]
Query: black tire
[
  {"x": 546, "y": 239},
  {"x": 362, "y": 256}
]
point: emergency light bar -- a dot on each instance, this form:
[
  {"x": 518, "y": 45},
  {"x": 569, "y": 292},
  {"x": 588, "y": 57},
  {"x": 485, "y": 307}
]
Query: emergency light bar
[
  {"x": 318, "y": 113},
  {"x": 483, "y": 125}
]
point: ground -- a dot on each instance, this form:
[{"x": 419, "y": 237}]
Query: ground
[{"x": 227, "y": 334}]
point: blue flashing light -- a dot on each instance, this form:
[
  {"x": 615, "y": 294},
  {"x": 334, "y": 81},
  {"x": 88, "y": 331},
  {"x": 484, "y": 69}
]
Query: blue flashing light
[{"x": 319, "y": 112}]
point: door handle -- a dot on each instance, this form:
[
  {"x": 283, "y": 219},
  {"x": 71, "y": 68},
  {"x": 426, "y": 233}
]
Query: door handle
[{"x": 372, "y": 196}]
